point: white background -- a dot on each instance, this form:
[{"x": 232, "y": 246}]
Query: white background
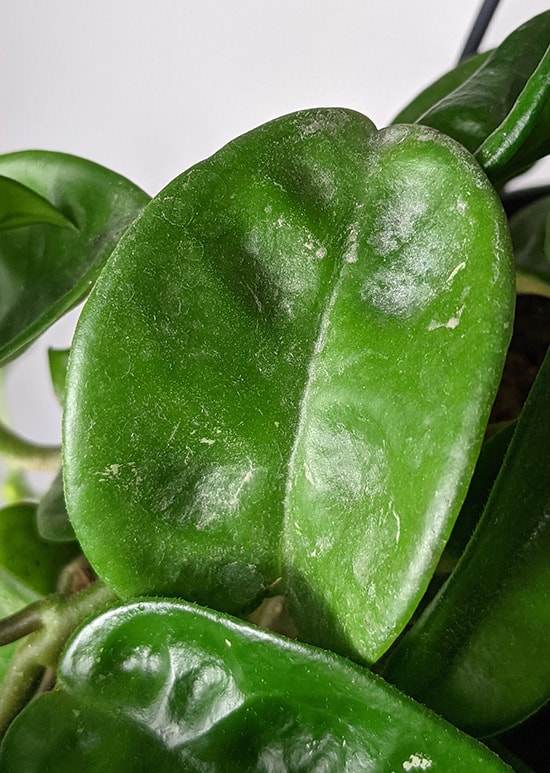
[{"x": 150, "y": 88}]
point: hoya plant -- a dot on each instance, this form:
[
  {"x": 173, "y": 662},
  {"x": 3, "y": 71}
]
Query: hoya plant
[{"x": 300, "y": 518}]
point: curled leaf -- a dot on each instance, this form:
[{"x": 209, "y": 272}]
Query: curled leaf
[{"x": 46, "y": 269}]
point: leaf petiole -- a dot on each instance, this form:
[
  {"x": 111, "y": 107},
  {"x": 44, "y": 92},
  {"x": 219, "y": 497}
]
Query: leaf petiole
[
  {"x": 26, "y": 455},
  {"x": 49, "y": 623}
]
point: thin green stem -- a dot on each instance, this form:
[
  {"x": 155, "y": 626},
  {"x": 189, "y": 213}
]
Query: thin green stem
[
  {"x": 25, "y": 455},
  {"x": 59, "y": 616}
]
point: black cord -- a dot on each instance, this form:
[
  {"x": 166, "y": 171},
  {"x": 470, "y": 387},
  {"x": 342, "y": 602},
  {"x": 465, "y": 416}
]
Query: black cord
[{"x": 479, "y": 28}]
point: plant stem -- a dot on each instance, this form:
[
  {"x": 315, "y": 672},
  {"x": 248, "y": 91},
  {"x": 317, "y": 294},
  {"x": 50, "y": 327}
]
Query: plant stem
[
  {"x": 57, "y": 617},
  {"x": 24, "y": 455},
  {"x": 20, "y": 624}
]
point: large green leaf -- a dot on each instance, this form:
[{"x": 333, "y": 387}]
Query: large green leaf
[
  {"x": 168, "y": 686},
  {"x": 479, "y": 654},
  {"x": 496, "y": 105},
  {"x": 45, "y": 269},
  {"x": 286, "y": 371}
]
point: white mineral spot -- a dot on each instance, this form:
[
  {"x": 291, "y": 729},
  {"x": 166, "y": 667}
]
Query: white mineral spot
[
  {"x": 417, "y": 762},
  {"x": 456, "y": 270},
  {"x": 111, "y": 471},
  {"x": 451, "y": 323},
  {"x": 227, "y": 643},
  {"x": 398, "y": 527},
  {"x": 350, "y": 252},
  {"x": 207, "y": 441}
]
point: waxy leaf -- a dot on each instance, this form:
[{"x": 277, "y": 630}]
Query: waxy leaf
[
  {"x": 440, "y": 89},
  {"x": 500, "y": 106},
  {"x": 169, "y": 686},
  {"x": 286, "y": 373},
  {"x": 531, "y": 241},
  {"x": 479, "y": 654},
  {"x": 21, "y": 206},
  {"x": 45, "y": 268}
]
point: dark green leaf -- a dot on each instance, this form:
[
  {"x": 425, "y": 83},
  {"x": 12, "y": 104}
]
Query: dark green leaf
[
  {"x": 167, "y": 686},
  {"x": 44, "y": 269},
  {"x": 31, "y": 560},
  {"x": 274, "y": 378},
  {"x": 440, "y": 89},
  {"x": 21, "y": 206},
  {"x": 486, "y": 471},
  {"x": 522, "y": 137},
  {"x": 479, "y": 654},
  {"x": 52, "y": 518},
  {"x": 58, "y": 360},
  {"x": 501, "y": 112}
]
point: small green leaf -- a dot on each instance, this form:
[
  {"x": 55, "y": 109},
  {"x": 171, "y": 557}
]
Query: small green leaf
[
  {"x": 31, "y": 560},
  {"x": 169, "y": 686},
  {"x": 44, "y": 269},
  {"x": 479, "y": 654},
  {"x": 52, "y": 518},
  {"x": 58, "y": 360},
  {"x": 21, "y": 206}
]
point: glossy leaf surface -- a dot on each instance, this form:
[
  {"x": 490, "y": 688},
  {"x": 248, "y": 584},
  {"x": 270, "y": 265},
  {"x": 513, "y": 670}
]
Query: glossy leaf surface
[
  {"x": 440, "y": 89},
  {"x": 175, "y": 687},
  {"x": 46, "y": 269},
  {"x": 479, "y": 655},
  {"x": 530, "y": 237},
  {"x": 21, "y": 206},
  {"x": 501, "y": 112},
  {"x": 286, "y": 372}
]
